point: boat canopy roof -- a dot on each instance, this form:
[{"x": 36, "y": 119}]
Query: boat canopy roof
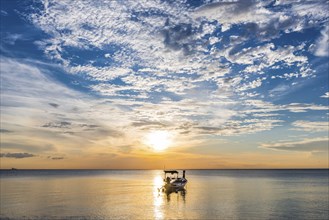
[{"x": 171, "y": 171}]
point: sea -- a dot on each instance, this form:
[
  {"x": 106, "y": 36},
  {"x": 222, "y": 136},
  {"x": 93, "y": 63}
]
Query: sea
[{"x": 136, "y": 194}]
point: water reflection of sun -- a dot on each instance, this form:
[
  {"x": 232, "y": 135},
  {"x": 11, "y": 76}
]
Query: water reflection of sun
[{"x": 157, "y": 198}]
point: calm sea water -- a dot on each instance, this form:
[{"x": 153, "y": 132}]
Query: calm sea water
[{"x": 210, "y": 194}]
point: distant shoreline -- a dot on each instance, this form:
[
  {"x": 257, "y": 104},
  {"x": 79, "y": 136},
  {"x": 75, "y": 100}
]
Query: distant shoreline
[{"x": 17, "y": 169}]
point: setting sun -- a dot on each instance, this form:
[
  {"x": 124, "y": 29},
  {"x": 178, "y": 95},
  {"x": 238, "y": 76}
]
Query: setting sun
[{"x": 159, "y": 140}]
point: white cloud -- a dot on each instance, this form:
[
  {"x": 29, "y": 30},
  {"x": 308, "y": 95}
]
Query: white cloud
[
  {"x": 213, "y": 40},
  {"x": 100, "y": 73},
  {"x": 322, "y": 44},
  {"x": 267, "y": 55},
  {"x": 314, "y": 10},
  {"x": 173, "y": 42},
  {"x": 258, "y": 106},
  {"x": 306, "y": 13},
  {"x": 326, "y": 95},
  {"x": 228, "y": 13},
  {"x": 26, "y": 92},
  {"x": 12, "y": 38},
  {"x": 167, "y": 59},
  {"x": 252, "y": 85},
  {"x": 313, "y": 145},
  {"x": 280, "y": 89},
  {"x": 3, "y": 13},
  {"x": 300, "y": 107},
  {"x": 110, "y": 24},
  {"x": 311, "y": 126}
]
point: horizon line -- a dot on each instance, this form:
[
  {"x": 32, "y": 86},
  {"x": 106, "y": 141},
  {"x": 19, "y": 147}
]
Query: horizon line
[{"x": 18, "y": 169}]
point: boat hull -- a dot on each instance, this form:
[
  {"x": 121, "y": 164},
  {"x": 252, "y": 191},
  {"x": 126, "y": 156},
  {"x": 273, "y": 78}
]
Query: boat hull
[{"x": 176, "y": 184}]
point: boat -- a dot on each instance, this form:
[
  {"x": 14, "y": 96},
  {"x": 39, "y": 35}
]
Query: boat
[{"x": 172, "y": 181}]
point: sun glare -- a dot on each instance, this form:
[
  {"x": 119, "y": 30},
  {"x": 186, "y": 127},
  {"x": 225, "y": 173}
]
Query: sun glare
[{"x": 159, "y": 140}]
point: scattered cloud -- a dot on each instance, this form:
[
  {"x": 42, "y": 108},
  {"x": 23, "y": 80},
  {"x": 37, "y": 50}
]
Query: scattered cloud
[
  {"x": 146, "y": 123},
  {"x": 174, "y": 48},
  {"x": 17, "y": 155},
  {"x": 311, "y": 126},
  {"x": 53, "y": 105},
  {"x": 89, "y": 126},
  {"x": 12, "y": 38},
  {"x": 233, "y": 12},
  {"x": 314, "y": 145},
  {"x": 125, "y": 68},
  {"x": 124, "y": 149},
  {"x": 25, "y": 145},
  {"x": 301, "y": 107},
  {"x": 56, "y": 158},
  {"x": 326, "y": 95},
  {"x": 237, "y": 127},
  {"x": 278, "y": 90},
  {"x": 62, "y": 124},
  {"x": 3, "y": 13},
  {"x": 321, "y": 48},
  {"x": 5, "y": 131}
]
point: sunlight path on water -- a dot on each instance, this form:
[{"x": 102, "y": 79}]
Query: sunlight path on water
[{"x": 158, "y": 199}]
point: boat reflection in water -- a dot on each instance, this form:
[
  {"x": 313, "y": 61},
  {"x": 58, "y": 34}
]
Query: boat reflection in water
[
  {"x": 180, "y": 192},
  {"x": 166, "y": 198}
]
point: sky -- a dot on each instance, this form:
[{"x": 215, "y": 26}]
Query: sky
[{"x": 143, "y": 84}]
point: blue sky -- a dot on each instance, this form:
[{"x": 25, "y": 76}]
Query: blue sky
[{"x": 231, "y": 84}]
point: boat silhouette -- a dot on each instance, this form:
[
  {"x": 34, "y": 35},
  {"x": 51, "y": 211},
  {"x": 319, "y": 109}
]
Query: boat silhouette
[{"x": 172, "y": 181}]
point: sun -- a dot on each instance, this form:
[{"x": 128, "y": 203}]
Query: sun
[{"x": 158, "y": 140}]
